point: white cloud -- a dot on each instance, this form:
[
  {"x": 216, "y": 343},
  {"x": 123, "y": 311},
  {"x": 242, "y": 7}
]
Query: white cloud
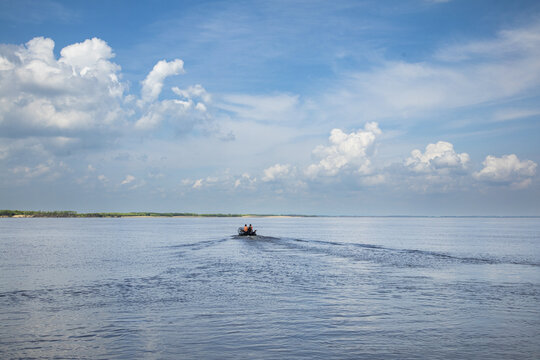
[
  {"x": 275, "y": 108},
  {"x": 200, "y": 107},
  {"x": 152, "y": 85},
  {"x": 157, "y": 112},
  {"x": 181, "y": 113},
  {"x": 78, "y": 100},
  {"x": 137, "y": 185},
  {"x": 345, "y": 152},
  {"x": 508, "y": 170},
  {"x": 459, "y": 76},
  {"x": 197, "y": 184},
  {"x": 209, "y": 181},
  {"x": 4, "y": 152},
  {"x": 245, "y": 181},
  {"x": 514, "y": 114},
  {"x": 186, "y": 182},
  {"x": 508, "y": 43},
  {"x": 48, "y": 170},
  {"x": 439, "y": 157},
  {"x": 128, "y": 179},
  {"x": 78, "y": 92},
  {"x": 39, "y": 48},
  {"x": 438, "y": 169},
  {"x": 90, "y": 59},
  {"x": 196, "y": 91},
  {"x": 226, "y": 182},
  {"x": 36, "y": 171},
  {"x": 5, "y": 64},
  {"x": 276, "y": 172},
  {"x": 372, "y": 180}
]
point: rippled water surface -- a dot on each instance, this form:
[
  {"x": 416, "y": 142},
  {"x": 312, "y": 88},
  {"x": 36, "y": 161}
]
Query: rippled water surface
[{"x": 324, "y": 288}]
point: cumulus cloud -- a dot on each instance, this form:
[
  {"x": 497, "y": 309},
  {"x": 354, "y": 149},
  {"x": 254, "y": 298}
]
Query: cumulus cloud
[
  {"x": 41, "y": 95},
  {"x": 197, "y": 184},
  {"x": 156, "y": 113},
  {"x": 438, "y": 169},
  {"x": 508, "y": 170},
  {"x": 191, "y": 104},
  {"x": 276, "y": 172},
  {"x": 285, "y": 180},
  {"x": 196, "y": 91},
  {"x": 90, "y": 59},
  {"x": 57, "y": 105},
  {"x": 439, "y": 157},
  {"x": 209, "y": 181},
  {"x": 245, "y": 181},
  {"x": 153, "y": 83},
  {"x": 345, "y": 152},
  {"x": 48, "y": 170},
  {"x": 32, "y": 172},
  {"x": 193, "y": 97},
  {"x": 129, "y": 179},
  {"x": 5, "y": 64}
]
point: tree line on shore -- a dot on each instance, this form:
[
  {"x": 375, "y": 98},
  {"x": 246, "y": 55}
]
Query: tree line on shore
[{"x": 74, "y": 214}]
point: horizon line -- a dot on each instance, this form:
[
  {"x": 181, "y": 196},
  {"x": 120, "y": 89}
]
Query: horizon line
[{"x": 72, "y": 213}]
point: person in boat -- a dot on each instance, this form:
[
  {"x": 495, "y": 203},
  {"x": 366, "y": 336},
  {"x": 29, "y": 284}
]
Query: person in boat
[
  {"x": 250, "y": 229},
  {"x": 246, "y": 229}
]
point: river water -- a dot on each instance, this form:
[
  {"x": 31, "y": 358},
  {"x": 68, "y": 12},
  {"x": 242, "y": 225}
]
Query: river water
[{"x": 307, "y": 288}]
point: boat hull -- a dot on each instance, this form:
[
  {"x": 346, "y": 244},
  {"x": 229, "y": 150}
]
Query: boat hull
[{"x": 241, "y": 232}]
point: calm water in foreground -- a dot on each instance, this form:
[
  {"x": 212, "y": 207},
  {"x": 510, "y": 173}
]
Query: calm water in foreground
[{"x": 323, "y": 288}]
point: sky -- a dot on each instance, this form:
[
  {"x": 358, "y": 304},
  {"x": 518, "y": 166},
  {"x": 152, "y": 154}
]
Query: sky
[{"x": 420, "y": 107}]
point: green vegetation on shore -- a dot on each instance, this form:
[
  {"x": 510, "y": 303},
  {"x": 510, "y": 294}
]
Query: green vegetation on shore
[{"x": 74, "y": 214}]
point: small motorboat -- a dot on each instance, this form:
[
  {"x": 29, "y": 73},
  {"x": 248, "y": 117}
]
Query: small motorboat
[{"x": 241, "y": 232}]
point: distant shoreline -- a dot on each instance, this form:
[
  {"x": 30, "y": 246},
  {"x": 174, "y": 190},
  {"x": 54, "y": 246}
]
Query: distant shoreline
[{"x": 74, "y": 214}]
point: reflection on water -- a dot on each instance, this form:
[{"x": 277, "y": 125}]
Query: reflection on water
[{"x": 309, "y": 288}]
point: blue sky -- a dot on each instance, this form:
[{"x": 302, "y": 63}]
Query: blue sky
[{"x": 314, "y": 107}]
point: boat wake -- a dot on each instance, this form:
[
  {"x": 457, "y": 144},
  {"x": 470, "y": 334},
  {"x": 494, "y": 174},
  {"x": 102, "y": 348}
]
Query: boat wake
[
  {"x": 395, "y": 256},
  {"x": 198, "y": 245},
  {"x": 255, "y": 237},
  {"x": 363, "y": 252}
]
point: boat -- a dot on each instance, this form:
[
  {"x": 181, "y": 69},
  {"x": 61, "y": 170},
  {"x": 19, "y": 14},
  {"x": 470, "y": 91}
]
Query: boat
[{"x": 241, "y": 232}]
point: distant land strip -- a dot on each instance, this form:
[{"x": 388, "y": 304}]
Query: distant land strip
[{"x": 74, "y": 214}]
